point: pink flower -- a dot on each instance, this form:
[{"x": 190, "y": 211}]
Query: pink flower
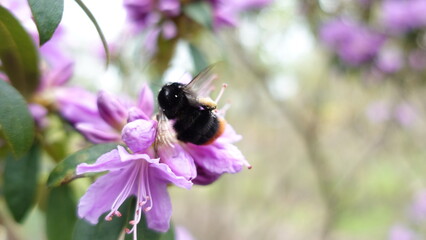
[
  {"x": 352, "y": 42},
  {"x": 101, "y": 118},
  {"x": 136, "y": 174}
]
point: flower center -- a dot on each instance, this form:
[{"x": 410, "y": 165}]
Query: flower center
[{"x": 138, "y": 180}]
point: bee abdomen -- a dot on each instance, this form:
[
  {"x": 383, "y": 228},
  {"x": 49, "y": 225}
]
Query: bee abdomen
[{"x": 198, "y": 129}]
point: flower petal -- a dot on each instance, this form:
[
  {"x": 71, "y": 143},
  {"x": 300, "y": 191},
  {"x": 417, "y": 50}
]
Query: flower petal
[
  {"x": 109, "y": 161},
  {"x": 126, "y": 156},
  {"x": 77, "y": 105},
  {"x": 179, "y": 161},
  {"x": 163, "y": 173},
  {"x": 111, "y": 110},
  {"x": 135, "y": 114},
  {"x": 229, "y": 135},
  {"x": 98, "y": 133},
  {"x": 101, "y": 195},
  {"x": 218, "y": 157},
  {"x": 139, "y": 135},
  {"x": 205, "y": 177},
  {"x": 158, "y": 218},
  {"x": 39, "y": 113}
]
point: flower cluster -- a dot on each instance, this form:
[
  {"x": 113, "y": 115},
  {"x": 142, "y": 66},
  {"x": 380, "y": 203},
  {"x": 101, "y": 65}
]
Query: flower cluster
[
  {"x": 57, "y": 66},
  {"x": 416, "y": 216},
  {"x": 354, "y": 44},
  {"x": 389, "y": 42},
  {"x": 166, "y": 19},
  {"x": 402, "y": 113},
  {"x": 142, "y": 165},
  {"x": 145, "y": 166}
]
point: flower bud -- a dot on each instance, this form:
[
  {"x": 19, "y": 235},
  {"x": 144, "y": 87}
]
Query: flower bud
[{"x": 111, "y": 110}]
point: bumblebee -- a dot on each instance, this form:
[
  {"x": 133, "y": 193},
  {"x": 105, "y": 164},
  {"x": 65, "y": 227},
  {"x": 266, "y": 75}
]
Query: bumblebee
[{"x": 193, "y": 112}]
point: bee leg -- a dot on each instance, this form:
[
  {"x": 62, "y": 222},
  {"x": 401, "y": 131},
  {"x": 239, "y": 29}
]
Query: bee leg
[
  {"x": 207, "y": 103},
  {"x": 164, "y": 134}
]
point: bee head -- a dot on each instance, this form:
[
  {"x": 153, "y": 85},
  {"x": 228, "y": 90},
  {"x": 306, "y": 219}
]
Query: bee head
[{"x": 171, "y": 99}]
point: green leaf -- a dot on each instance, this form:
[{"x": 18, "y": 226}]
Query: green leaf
[
  {"x": 198, "y": 59},
  {"x": 104, "y": 230},
  {"x": 98, "y": 28},
  {"x": 60, "y": 214},
  {"x": 20, "y": 182},
  {"x": 47, "y": 15},
  {"x": 144, "y": 233},
  {"x": 64, "y": 172},
  {"x": 16, "y": 123},
  {"x": 201, "y": 12},
  {"x": 18, "y": 54}
]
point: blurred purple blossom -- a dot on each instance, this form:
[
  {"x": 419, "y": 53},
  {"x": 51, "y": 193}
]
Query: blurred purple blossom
[
  {"x": 400, "y": 232},
  {"x": 354, "y": 43},
  {"x": 158, "y": 18},
  {"x": 183, "y": 234},
  {"x": 227, "y": 12},
  {"x": 154, "y": 18},
  {"x": 56, "y": 64},
  {"x": 378, "y": 112},
  {"x": 39, "y": 114},
  {"x": 405, "y": 114},
  {"x": 402, "y": 16},
  {"x": 389, "y": 60},
  {"x": 418, "y": 207}
]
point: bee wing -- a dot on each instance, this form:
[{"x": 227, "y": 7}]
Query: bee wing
[
  {"x": 202, "y": 84},
  {"x": 200, "y": 87}
]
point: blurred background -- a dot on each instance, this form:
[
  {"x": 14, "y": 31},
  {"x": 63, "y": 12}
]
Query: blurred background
[{"x": 329, "y": 97}]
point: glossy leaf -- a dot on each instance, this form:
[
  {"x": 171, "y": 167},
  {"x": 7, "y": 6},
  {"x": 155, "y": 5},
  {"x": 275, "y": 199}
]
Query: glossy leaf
[
  {"x": 200, "y": 12},
  {"x": 61, "y": 213},
  {"x": 64, "y": 172},
  {"x": 47, "y": 16},
  {"x": 16, "y": 123},
  {"x": 20, "y": 182},
  {"x": 198, "y": 59},
  {"x": 18, "y": 54},
  {"x": 104, "y": 230}
]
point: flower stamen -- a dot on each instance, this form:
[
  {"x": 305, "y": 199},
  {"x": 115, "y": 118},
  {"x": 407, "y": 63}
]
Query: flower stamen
[
  {"x": 222, "y": 90},
  {"x": 122, "y": 196}
]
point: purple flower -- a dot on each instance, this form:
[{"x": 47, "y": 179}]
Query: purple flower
[
  {"x": 101, "y": 118},
  {"x": 217, "y": 158},
  {"x": 157, "y": 18},
  {"x": 378, "y": 112},
  {"x": 39, "y": 114},
  {"x": 418, "y": 207},
  {"x": 154, "y": 18},
  {"x": 56, "y": 65},
  {"x": 131, "y": 174},
  {"x": 399, "y": 232},
  {"x": 403, "y": 16},
  {"x": 405, "y": 114},
  {"x": 226, "y": 12},
  {"x": 183, "y": 234},
  {"x": 354, "y": 44},
  {"x": 389, "y": 60}
]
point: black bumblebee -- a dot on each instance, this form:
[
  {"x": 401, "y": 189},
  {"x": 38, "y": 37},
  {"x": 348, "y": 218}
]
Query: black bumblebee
[{"x": 194, "y": 115}]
